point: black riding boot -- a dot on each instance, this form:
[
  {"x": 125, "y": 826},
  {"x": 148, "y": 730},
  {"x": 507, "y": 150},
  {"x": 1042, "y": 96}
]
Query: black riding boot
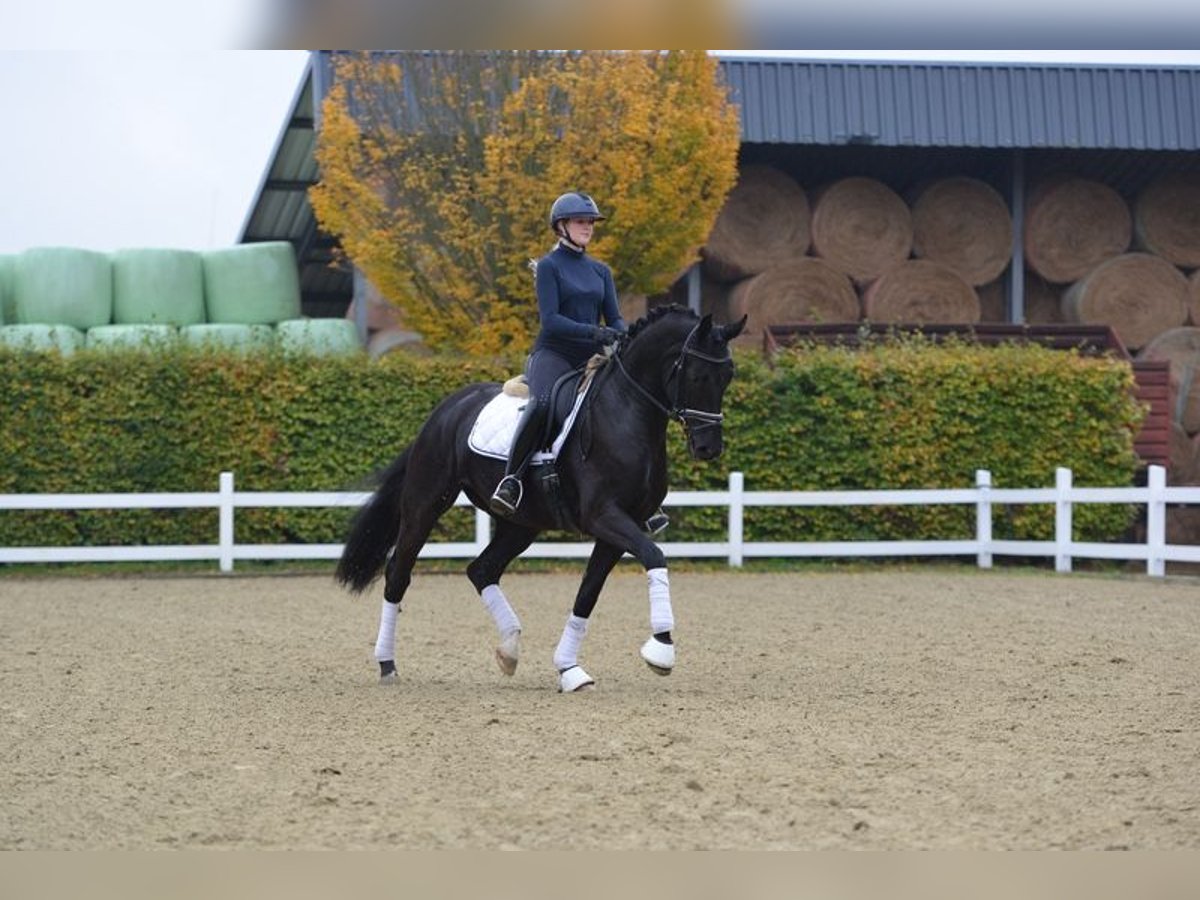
[{"x": 509, "y": 491}]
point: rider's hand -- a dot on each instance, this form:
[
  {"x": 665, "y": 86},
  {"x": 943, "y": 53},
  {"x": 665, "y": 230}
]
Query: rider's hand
[{"x": 604, "y": 335}]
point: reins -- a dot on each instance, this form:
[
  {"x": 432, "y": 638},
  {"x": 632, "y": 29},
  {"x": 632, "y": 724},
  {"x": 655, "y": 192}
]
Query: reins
[{"x": 690, "y": 419}]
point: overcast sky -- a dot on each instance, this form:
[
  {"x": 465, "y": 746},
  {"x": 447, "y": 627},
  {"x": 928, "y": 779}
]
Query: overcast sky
[{"x": 122, "y": 148}]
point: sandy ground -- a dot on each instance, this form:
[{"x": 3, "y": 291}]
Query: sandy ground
[{"x": 889, "y": 709}]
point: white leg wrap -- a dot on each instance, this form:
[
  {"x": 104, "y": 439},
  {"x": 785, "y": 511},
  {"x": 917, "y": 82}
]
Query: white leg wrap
[
  {"x": 661, "y": 617},
  {"x": 502, "y": 613},
  {"x": 385, "y": 644},
  {"x": 566, "y": 654}
]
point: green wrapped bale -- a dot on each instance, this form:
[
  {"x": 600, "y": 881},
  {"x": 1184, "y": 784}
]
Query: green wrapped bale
[
  {"x": 8, "y": 299},
  {"x": 131, "y": 337},
  {"x": 218, "y": 336},
  {"x": 252, "y": 284},
  {"x": 157, "y": 287},
  {"x": 63, "y": 286},
  {"x": 320, "y": 337},
  {"x": 63, "y": 338}
]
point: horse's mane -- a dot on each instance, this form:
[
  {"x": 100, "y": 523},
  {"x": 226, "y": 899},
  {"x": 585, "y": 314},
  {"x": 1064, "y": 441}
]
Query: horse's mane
[{"x": 657, "y": 313}]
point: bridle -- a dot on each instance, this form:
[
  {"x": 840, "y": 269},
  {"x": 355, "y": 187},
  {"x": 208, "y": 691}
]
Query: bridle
[{"x": 692, "y": 420}]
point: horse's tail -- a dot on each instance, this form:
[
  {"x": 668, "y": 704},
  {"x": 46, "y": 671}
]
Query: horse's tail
[{"x": 374, "y": 530}]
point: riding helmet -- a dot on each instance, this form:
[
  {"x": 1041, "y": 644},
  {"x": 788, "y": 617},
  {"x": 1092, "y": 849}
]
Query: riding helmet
[{"x": 571, "y": 205}]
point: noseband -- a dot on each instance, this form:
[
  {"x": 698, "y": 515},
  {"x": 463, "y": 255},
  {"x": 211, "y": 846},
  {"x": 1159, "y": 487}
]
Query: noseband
[{"x": 693, "y": 420}]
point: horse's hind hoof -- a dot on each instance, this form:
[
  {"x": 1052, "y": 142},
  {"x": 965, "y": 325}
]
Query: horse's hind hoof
[
  {"x": 387, "y": 672},
  {"x": 509, "y": 652},
  {"x": 574, "y": 680},
  {"x": 659, "y": 657}
]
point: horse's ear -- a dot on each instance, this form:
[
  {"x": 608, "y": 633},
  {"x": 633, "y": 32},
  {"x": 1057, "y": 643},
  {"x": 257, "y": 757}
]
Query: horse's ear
[{"x": 729, "y": 332}]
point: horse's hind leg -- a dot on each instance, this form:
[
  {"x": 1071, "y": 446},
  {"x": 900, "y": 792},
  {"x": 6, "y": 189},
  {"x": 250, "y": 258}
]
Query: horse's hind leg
[
  {"x": 507, "y": 544},
  {"x": 416, "y": 521}
]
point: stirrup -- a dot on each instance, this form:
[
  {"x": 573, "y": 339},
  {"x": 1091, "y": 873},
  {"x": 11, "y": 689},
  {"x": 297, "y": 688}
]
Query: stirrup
[
  {"x": 500, "y": 504},
  {"x": 657, "y": 523}
]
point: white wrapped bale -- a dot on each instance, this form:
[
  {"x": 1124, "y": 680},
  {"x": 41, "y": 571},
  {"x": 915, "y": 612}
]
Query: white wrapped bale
[
  {"x": 218, "y": 336},
  {"x": 157, "y": 287},
  {"x": 63, "y": 286},
  {"x": 63, "y": 338},
  {"x": 131, "y": 337},
  {"x": 8, "y": 300},
  {"x": 320, "y": 337},
  {"x": 252, "y": 284}
]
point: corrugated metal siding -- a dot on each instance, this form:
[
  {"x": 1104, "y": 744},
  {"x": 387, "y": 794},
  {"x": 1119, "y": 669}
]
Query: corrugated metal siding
[{"x": 942, "y": 105}]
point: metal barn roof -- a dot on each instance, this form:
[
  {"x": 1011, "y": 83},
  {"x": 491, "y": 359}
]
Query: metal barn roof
[
  {"x": 966, "y": 105},
  {"x": 901, "y": 122}
]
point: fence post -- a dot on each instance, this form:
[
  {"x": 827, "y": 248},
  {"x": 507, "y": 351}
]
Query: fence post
[
  {"x": 983, "y": 518},
  {"x": 1156, "y": 522},
  {"x": 737, "y": 484},
  {"x": 1062, "y": 520},
  {"x": 225, "y": 521}
]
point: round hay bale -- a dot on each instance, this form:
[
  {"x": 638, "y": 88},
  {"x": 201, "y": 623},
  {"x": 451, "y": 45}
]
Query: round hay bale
[
  {"x": 1166, "y": 219},
  {"x": 8, "y": 299},
  {"x": 252, "y": 284},
  {"x": 1138, "y": 294},
  {"x": 1193, "y": 298},
  {"x": 1043, "y": 301},
  {"x": 1183, "y": 526},
  {"x": 394, "y": 340},
  {"x": 920, "y": 291},
  {"x": 861, "y": 227},
  {"x": 63, "y": 286},
  {"x": 964, "y": 224},
  {"x": 1181, "y": 456},
  {"x": 765, "y": 221},
  {"x": 381, "y": 314},
  {"x": 1180, "y": 347},
  {"x": 1073, "y": 225},
  {"x": 993, "y": 301},
  {"x": 63, "y": 338},
  {"x": 226, "y": 336},
  {"x": 156, "y": 286},
  {"x": 803, "y": 290},
  {"x": 131, "y": 337},
  {"x": 320, "y": 337}
]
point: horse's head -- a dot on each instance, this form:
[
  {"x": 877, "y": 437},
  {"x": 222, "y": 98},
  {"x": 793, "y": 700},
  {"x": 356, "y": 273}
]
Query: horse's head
[
  {"x": 697, "y": 384},
  {"x": 683, "y": 367}
]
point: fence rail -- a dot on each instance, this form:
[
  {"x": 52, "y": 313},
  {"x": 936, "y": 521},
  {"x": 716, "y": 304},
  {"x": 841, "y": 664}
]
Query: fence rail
[{"x": 1155, "y": 551}]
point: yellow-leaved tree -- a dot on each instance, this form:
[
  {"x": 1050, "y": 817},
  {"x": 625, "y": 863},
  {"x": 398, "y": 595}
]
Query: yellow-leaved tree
[{"x": 438, "y": 171}]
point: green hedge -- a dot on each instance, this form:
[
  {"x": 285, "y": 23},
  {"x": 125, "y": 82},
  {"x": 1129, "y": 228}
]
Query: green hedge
[{"x": 903, "y": 415}]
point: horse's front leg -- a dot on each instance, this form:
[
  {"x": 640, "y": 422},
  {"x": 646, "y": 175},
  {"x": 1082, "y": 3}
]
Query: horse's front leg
[
  {"x": 615, "y": 527},
  {"x": 571, "y": 675}
]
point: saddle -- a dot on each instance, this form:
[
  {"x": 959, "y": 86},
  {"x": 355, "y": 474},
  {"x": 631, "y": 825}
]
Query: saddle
[{"x": 494, "y": 428}]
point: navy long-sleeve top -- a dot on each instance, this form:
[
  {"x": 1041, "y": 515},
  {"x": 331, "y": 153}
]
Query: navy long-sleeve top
[{"x": 574, "y": 291}]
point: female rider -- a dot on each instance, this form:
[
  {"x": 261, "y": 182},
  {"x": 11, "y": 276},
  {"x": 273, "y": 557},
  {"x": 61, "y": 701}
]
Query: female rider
[{"x": 573, "y": 292}]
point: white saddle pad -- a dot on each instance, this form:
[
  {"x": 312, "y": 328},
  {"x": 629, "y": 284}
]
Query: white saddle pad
[{"x": 496, "y": 425}]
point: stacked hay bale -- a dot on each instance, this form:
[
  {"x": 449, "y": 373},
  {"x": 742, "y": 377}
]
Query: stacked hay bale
[
  {"x": 385, "y": 324},
  {"x": 854, "y": 249}
]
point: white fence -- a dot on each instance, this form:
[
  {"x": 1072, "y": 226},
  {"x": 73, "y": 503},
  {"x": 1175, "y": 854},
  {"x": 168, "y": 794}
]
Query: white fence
[{"x": 1156, "y": 552}]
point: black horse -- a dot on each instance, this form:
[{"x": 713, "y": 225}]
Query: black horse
[{"x": 610, "y": 476}]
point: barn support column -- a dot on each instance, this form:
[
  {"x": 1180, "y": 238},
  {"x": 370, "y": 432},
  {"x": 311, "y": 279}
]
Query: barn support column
[{"x": 1016, "y": 269}]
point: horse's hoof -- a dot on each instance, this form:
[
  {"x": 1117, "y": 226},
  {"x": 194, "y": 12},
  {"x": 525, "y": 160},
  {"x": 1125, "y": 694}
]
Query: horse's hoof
[
  {"x": 659, "y": 657},
  {"x": 389, "y": 678},
  {"x": 509, "y": 651},
  {"x": 387, "y": 671},
  {"x": 573, "y": 680}
]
